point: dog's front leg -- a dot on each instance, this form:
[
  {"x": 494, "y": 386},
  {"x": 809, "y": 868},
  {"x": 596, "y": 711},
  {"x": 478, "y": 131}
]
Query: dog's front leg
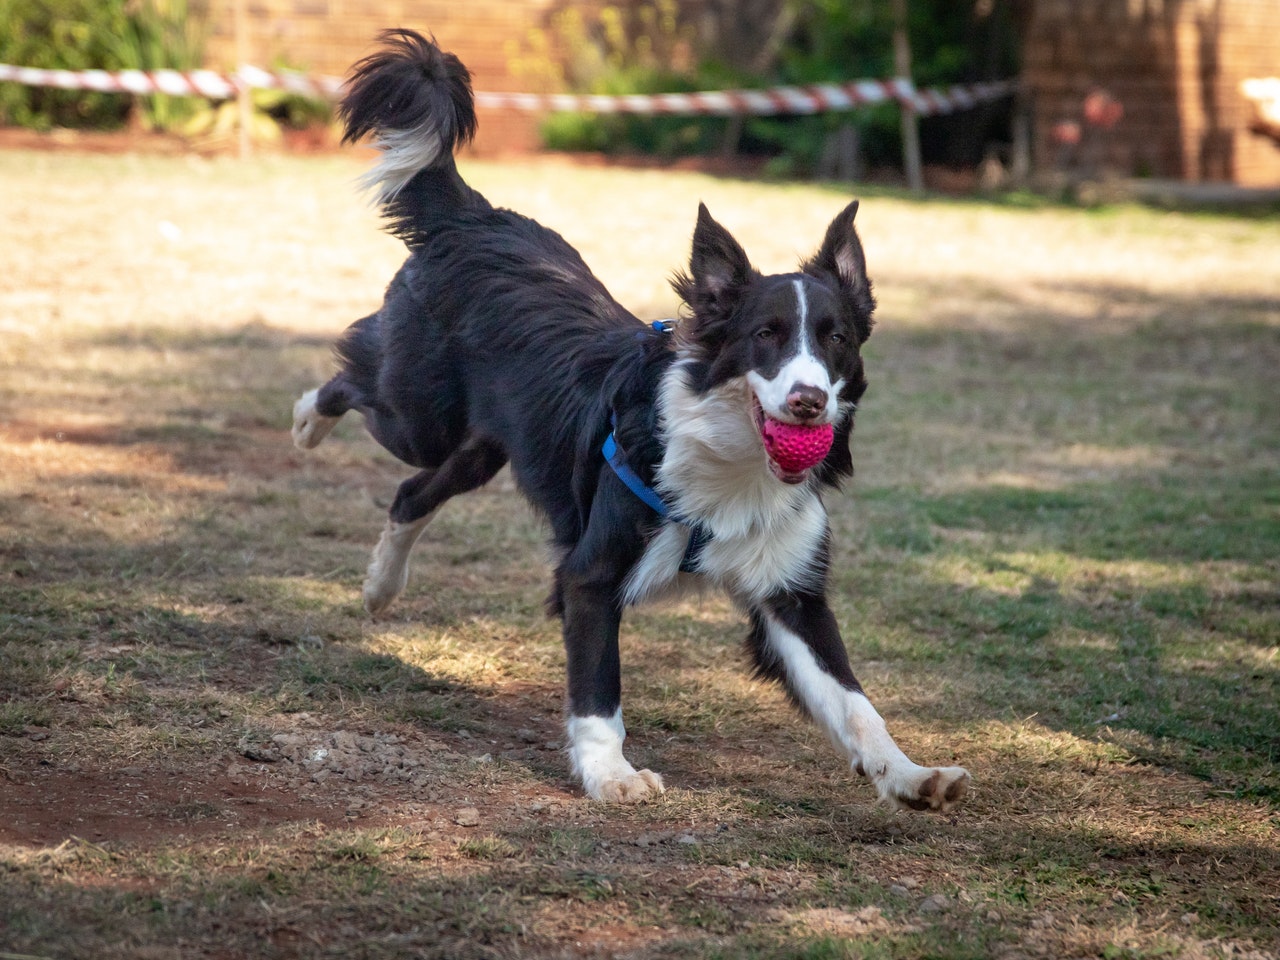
[
  {"x": 591, "y": 620},
  {"x": 796, "y": 641},
  {"x": 473, "y": 464}
]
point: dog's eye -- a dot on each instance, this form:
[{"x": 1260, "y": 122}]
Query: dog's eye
[
  {"x": 837, "y": 338},
  {"x": 766, "y": 333}
]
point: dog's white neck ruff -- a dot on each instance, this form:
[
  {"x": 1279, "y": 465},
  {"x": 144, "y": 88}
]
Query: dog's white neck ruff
[
  {"x": 714, "y": 468},
  {"x": 765, "y": 534}
]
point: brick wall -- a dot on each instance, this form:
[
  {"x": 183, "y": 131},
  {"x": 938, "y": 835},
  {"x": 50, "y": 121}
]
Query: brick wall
[
  {"x": 327, "y": 36},
  {"x": 1250, "y": 47},
  {"x": 1175, "y": 65}
]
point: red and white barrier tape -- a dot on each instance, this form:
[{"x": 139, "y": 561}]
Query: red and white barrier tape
[
  {"x": 815, "y": 98},
  {"x": 178, "y": 83},
  {"x": 775, "y": 100},
  {"x": 952, "y": 99}
]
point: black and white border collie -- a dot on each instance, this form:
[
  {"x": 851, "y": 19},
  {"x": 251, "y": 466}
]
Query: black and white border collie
[{"x": 496, "y": 344}]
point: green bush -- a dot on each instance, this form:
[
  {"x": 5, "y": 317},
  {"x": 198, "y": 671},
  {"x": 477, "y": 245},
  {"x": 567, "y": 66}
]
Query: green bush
[
  {"x": 840, "y": 40},
  {"x": 96, "y": 34},
  {"x": 829, "y": 41}
]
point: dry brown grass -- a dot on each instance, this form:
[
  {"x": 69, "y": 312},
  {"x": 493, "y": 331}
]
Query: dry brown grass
[{"x": 1058, "y": 565}]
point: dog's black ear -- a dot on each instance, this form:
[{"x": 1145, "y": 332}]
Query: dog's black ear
[
  {"x": 718, "y": 270},
  {"x": 841, "y": 258}
]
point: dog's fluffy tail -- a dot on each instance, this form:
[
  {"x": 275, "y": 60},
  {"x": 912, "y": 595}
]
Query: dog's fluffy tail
[{"x": 416, "y": 100}]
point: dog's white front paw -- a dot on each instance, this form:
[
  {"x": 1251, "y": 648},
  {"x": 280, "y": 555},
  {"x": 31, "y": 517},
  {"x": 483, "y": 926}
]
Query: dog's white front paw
[
  {"x": 923, "y": 788},
  {"x": 309, "y": 426},
  {"x": 595, "y": 749},
  {"x": 627, "y": 787}
]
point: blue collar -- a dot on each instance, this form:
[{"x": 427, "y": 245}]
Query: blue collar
[
  {"x": 616, "y": 459},
  {"x": 699, "y": 536}
]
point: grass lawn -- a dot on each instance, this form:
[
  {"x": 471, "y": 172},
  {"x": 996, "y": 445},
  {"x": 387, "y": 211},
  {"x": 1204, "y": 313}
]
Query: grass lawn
[{"x": 1059, "y": 565}]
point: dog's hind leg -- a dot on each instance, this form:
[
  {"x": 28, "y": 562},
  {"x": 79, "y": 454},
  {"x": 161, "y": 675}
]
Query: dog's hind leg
[
  {"x": 318, "y": 411},
  {"x": 354, "y": 388},
  {"x": 794, "y": 640},
  {"x": 309, "y": 425},
  {"x": 472, "y": 465}
]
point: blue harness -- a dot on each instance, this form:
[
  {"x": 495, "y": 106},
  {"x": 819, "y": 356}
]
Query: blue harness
[{"x": 616, "y": 458}]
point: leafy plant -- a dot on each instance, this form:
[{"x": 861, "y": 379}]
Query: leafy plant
[
  {"x": 97, "y": 34},
  {"x": 271, "y": 113},
  {"x": 160, "y": 34}
]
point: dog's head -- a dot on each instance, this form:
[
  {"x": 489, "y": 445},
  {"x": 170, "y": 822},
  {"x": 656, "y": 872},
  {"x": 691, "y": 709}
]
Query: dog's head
[{"x": 793, "y": 339}]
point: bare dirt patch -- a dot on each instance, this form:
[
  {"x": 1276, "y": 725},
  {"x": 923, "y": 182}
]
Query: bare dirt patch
[{"x": 142, "y": 805}]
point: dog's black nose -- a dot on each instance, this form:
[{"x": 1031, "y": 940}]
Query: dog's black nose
[{"x": 806, "y": 402}]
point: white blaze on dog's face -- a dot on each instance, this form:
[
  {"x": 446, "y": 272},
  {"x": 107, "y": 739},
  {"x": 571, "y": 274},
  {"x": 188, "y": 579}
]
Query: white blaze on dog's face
[
  {"x": 798, "y": 350},
  {"x": 793, "y": 339}
]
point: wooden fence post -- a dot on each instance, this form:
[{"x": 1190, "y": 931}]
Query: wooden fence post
[
  {"x": 244, "y": 98},
  {"x": 910, "y": 122}
]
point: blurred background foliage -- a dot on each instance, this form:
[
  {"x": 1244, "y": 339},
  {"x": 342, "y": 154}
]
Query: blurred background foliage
[
  {"x": 671, "y": 47},
  {"x": 98, "y": 34},
  {"x": 624, "y": 46},
  {"x": 128, "y": 35}
]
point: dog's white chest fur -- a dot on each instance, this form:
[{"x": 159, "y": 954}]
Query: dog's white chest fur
[{"x": 765, "y": 534}]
